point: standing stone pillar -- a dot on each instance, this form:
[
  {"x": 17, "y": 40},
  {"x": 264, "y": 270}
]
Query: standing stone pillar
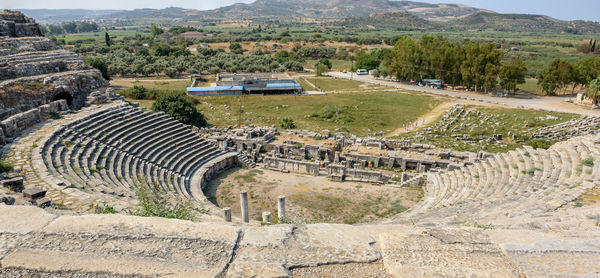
[
  {"x": 266, "y": 217},
  {"x": 281, "y": 207},
  {"x": 336, "y": 157},
  {"x": 227, "y": 214},
  {"x": 244, "y": 205}
]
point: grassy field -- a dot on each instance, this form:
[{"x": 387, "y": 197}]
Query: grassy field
[
  {"x": 336, "y": 64},
  {"x": 508, "y": 122},
  {"x": 351, "y": 106},
  {"x": 356, "y": 112},
  {"x": 531, "y": 87},
  {"x": 328, "y": 84}
]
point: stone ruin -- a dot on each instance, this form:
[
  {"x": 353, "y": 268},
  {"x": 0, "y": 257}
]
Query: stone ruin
[
  {"x": 337, "y": 154},
  {"x": 514, "y": 214},
  {"x": 37, "y": 77},
  {"x": 15, "y": 24}
]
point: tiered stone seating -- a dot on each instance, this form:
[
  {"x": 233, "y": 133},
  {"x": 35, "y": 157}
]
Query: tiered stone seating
[
  {"x": 521, "y": 184},
  {"x": 116, "y": 149}
]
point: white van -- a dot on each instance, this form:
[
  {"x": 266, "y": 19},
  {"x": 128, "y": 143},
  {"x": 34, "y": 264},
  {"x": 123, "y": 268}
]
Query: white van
[{"x": 362, "y": 72}]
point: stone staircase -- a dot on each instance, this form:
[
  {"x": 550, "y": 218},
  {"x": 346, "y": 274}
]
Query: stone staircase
[{"x": 244, "y": 159}]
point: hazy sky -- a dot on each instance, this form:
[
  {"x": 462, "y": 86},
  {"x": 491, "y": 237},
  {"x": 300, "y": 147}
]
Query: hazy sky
[{"x": 562, "y": 9}]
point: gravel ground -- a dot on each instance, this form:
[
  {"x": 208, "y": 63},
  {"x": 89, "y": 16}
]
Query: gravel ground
[
  {"x": 21, "y": 273},
  {"x": 356, "y": 270}
]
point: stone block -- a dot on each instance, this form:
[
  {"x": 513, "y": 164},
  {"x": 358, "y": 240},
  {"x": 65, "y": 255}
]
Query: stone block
[
  {"x": 43, "y": 202},
  {"x": 7, "y": 199},
  {"x": 14, "y": 184},
  {"x": 34, "y": 193}
]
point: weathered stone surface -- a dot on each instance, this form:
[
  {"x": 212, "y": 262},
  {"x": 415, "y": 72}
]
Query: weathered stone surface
[
  {"x": 271, "y": 251},
  {"x": 558, "y": 254},
  {"x": 23, "y": 219},
  {"x": 127, "y": 245},
  {"x": 15, "y": 24},
  {"x": 451, "y": 253}
]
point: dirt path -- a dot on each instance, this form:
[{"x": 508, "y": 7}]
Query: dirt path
[{"x": 424, "y": 120}]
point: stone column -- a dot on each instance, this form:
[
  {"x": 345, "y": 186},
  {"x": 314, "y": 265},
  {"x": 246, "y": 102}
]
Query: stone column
[
  {"x": 266, "y": 217},
  {"x": 281, "y": 207},
  {"x": 244, "y": 205},
  {"x": 227, "y": 214}
]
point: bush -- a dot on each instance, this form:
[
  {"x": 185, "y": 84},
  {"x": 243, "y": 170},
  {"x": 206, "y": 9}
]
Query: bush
[
  {"x": 138, "y": 92},
  {"x": 5, "y": 166},
  {"x": 153, "y": 202},
  {"x": 99, "y": 64},
  {"x": 178, "y": 107},
  {"x": 539, "y": 143},
  {"x": 287, "y": 123}
]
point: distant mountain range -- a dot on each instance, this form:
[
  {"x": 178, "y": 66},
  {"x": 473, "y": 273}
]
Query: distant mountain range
[
  {"x": 481, "y": 20},
  {"x": 368, "y": 13}
]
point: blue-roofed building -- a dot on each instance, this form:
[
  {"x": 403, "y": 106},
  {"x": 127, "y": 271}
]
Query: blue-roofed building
[{"x": 238, "y": 84}]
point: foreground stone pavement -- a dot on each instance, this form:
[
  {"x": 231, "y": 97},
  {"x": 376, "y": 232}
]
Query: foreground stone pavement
[{"x": 35, "y": 242}]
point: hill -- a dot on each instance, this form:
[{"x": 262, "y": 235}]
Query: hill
[
  {"x": 63, "y": 15},
  {"x": 398, "y": 20},
  {"x": 337, "y": 9},
  {"x": 484, "y": 20}
]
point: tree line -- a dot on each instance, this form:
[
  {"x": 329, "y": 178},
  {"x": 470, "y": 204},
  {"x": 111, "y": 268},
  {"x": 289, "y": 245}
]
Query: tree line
[
  {"x": 476, "y": 66},
  {"x": 70, "y": 28}
]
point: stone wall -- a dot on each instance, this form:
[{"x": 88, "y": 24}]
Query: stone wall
[
  {"x": 342, "y": 173},
  {"x": 292, "y": 165},
  {"x": 16, "y": 123}
]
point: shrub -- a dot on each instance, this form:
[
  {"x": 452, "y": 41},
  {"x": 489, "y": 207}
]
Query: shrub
[
  {"x": 153, "y": 202},
  {"x": 138, "y": 92},
  {"x": 178, "y": 107},
  {"x": 588, "y": 162},
  {"x": 539, "y": 143},
  {"x": 5, "y": 166},
  {"x": 99, "y": 64},
  {"x": 287, "y": 123}
]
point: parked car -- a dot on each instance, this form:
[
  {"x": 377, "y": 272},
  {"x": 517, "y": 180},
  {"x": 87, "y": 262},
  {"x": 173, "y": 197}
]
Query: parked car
[
  {"x": 344, "y": 71},
  {"x": 362, "y": 72}
]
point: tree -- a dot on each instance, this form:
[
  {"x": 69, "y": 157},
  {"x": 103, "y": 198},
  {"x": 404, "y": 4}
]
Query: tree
[
  {"x": 178, "y": 107},
  {"x": 368, "y": 61},
  {"x": 320, "y": 69},
  {"x": 161, "y": 49},
  {"x": 70, "y": 27},
  {"x": 107, "y": 38},
  {"x": 236, "y": 48},
  {"x": 593, "y": 90},
  {"x": 155, "y": 31},
  {"x": 324, "y": 62},
  {"x": 99, "y": 64},
  {"x": 588, "y": 69},
  {"x": 557, "y": 75},
  {"x": 87, "y": 27},
  {"x": 511, "y": 74}
]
